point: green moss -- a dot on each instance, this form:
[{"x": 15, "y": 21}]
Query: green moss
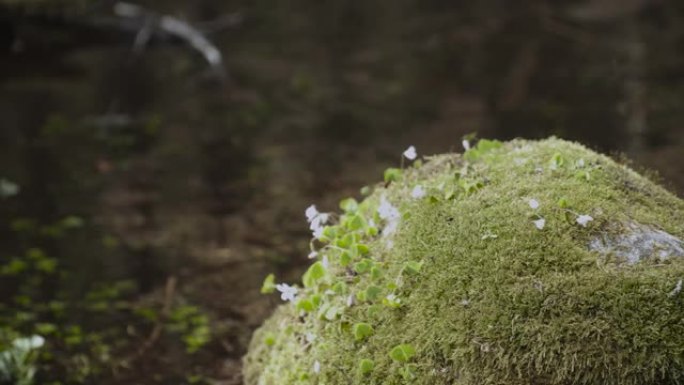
[{"x": 476, "y": 292}]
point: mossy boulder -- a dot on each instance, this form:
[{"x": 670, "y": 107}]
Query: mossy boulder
[{"x": 509, "y": 264}]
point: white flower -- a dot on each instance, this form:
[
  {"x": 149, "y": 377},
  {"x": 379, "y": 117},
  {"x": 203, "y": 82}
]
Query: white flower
[
  {"x": 387, "y": 211},
  {"x": 390, "y": 214},
  {"x": 580, "y": 163},
  {"x": 30, "y": 343},
  {"x": 315, "y": 217},
  {"x": 288, "y": 293},
  {"x": 325, "y": 261},
  {"x": 584, "y": 219},
  {"x": 350, "y": 300},
  {"x": 317, "y": 367},
  {"x": 313, "y": 255},
  {"x": 533, "y": 203},
  {"x": 466, "y": 144},
  {"x": 677, "y": 289},
  {"x": 393, "y": 299},
  {"x": 417, "y": 192},
  {"x": 539, "y": 223},
  {"x": 390, "y": 228},
  {"x": 310, "y": 337},
  {"x": 316, "y": 221},
  {"x": 410, "y": 153},
  {"x": 311, "y": 213}
]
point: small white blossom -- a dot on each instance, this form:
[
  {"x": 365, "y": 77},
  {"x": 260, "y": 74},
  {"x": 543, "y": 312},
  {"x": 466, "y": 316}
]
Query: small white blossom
[
  {"x": 390, "y": 228},
  {"x": 393, "y": 299},
  {"x": 310, "y": 337},
  {"x": 584, "y": 219},
  {"x": 677, "y": 289},
  {"x": 533, "y": 203},
  {"x": 316, "y": 220},
  {"x": 410, "y": 153},
  {"x": 313, "y": 255},
  {"x": 417, "y": 192},
  {"x": 387, "y": 211},
  {"x": 465, "y": 302},
  {"x": 580, "y": 163},
  {"x": 466, "y": 144},
  {"x": 539, "y": 223},
  {"x": 317, "y": 367},
  {"x": 325, "y": 261},
  {"x": 29, "y": 343},
  {"x": 350, "y": 300},
  {"x": 287, "y": 292},
  {"x": 311, "y": 212}
]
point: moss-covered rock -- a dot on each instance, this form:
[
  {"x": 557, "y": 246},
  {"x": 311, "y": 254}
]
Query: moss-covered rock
[{"x": 492, "y": 267}]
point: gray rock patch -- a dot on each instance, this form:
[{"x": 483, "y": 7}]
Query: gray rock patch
[{"x": 637, "y": 242}]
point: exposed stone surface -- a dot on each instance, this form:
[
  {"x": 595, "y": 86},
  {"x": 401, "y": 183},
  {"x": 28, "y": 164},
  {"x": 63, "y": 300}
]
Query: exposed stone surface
[{"x": 636, "y": 242}]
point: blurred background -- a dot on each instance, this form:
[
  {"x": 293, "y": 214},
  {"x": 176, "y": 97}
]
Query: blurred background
[{"x": 156, "y": 157}]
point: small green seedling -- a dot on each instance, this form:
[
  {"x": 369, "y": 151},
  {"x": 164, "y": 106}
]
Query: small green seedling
[
  {"x": 362, "y": 331},
  {"x": 402, "y": 353}
]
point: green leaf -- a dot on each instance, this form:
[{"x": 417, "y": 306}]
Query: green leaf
[
  {"x": 402, "y": 353},
  {"x": 412, "y": 267},
  {"x": 72, "y": 222},
  {"x": 355, "y": 222},
  {"x": 375, "y": 273},
  {"x": 314, "y": 274},
  {"x": 363, "y": 266},
  {"x": 392, "y": 175},
  {"x": 269, "y": 284},
  {"x": 483, "y": 146},
  {"x": 15, "y": 266},
  {"x": 563, "y": 203},
  {"x": 371, "y": 231},
  {"x": 362, "y": 331},
  {"x": 270, "y": 339},
  {"x": 332, "y": 313},
  {"x": 305, "y": 305},
  {"x": 349, "y": 205},
  {"x": 557, "y": 161},
  {"x": 408, "y": 372},
  {"x": 345, "y": 258},
  {"x": 345, "y": 242},
  {"x": 340, "y": 288},
  {"x": 373, "y": 292},
  {"x": 47, "y": 265},
  {"x": 366, "y": 366}
]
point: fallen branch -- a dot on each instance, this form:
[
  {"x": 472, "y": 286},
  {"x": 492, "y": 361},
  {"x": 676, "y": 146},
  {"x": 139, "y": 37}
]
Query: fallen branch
[{"x": 152, "y": 23}]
